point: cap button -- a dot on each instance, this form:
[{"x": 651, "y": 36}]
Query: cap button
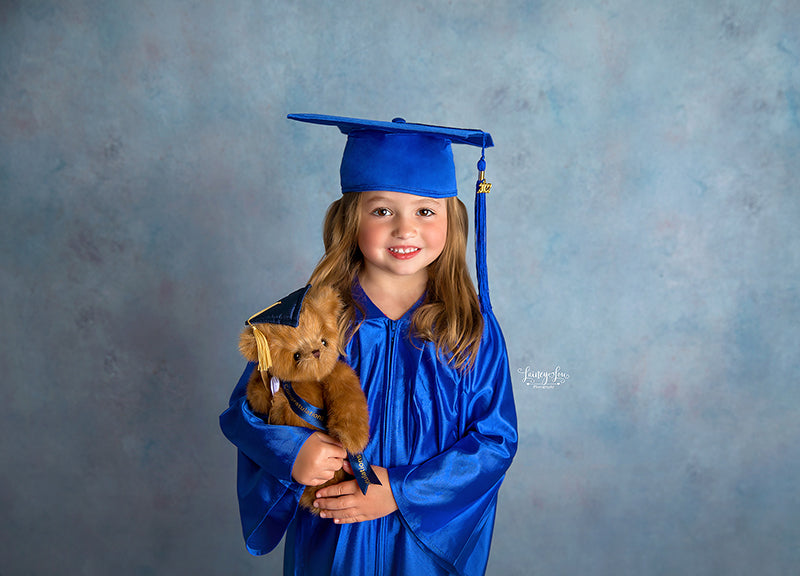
[{"x": 398, "y": 120}]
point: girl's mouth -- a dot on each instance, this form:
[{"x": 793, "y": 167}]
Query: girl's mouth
[{"x": 404, "y": 252}]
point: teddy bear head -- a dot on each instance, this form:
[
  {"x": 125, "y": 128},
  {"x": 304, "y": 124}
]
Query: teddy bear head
[{"x": 309, "y": 351}]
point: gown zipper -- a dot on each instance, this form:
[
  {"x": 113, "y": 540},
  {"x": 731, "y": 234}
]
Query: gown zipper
[{"x": 392, "y": 334}]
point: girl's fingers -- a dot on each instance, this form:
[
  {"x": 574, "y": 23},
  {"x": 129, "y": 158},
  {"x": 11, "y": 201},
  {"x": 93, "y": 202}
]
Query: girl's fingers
[
  {"x": 338, "y": 490},
  {"x": 329, "y": 506},
  {"x": 318, "y": 459},
  {"x": 344, "y": 503},
  {"x": 328, "y": 439}
]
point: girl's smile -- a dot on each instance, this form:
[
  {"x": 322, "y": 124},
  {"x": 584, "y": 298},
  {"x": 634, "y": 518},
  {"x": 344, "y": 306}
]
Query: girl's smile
[{"x": 403, "y": 253}]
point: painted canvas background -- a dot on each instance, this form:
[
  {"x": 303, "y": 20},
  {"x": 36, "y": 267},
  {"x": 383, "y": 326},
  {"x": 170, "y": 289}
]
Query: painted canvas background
[{"x": 643, "y": 262}]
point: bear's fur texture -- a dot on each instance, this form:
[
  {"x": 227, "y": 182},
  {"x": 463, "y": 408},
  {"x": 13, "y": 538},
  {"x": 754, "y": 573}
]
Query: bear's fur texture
[{"x": 308, "y": 357}]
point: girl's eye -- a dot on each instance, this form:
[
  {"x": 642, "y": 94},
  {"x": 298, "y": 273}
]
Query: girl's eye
[
  {"x": 381, "y": 212},
  {"x": 426, "y": 212}
]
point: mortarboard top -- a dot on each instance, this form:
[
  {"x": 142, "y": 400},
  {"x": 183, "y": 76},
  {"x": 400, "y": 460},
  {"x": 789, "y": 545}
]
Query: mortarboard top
[
  {"x": 398, "y": 125},
  {"x": 400, "y": 156}
]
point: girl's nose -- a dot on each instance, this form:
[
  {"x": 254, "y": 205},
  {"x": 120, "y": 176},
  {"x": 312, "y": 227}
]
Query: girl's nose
[{"x": 404, "y": 228}]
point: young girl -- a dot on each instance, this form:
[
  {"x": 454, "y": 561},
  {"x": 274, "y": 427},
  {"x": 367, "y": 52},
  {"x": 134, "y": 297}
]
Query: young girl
[{"x": 432, "y": 363}]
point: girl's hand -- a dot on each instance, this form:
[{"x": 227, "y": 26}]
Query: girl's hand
[
  {"x": 318, "y": 460},
  {"x": 345, "y": 503}
]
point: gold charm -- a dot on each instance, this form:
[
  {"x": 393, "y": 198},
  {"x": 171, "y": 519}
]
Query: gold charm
[{"x": 484, "y": 187}]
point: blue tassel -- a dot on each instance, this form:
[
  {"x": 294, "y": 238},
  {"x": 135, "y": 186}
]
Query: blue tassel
[{"x": 481, "y": 189}]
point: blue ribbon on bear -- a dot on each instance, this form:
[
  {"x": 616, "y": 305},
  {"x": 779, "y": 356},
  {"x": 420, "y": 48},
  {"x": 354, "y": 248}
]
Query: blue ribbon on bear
[{"x": 316, "y": 417}]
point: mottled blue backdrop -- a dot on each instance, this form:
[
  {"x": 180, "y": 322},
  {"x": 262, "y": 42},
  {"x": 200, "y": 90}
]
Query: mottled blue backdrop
[{"x": 643, "y": 246}]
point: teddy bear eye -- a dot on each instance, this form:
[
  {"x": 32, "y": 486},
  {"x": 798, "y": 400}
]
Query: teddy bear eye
[
  {"x": 324, "y": 342},
  {"x": 297, "y": 356}
]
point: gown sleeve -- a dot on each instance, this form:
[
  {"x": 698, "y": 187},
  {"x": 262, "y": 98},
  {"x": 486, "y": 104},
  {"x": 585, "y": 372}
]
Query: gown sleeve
[
  {"x": 448, "y": 502},
  {"x": 268, "y": 496}
]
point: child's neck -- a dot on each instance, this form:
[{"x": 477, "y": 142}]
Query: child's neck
[{"x": 393, "y": 295}]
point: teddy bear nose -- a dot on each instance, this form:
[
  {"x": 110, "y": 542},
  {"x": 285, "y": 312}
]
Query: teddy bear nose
[{"x": 315, "y": 353}]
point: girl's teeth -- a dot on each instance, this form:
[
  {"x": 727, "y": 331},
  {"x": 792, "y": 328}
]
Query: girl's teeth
[{"x": 403, "y": 250}]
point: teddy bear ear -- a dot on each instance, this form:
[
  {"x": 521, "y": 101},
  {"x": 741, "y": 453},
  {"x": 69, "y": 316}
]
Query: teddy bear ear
[
  {"x": 328, "y": 300},
  {"x": 247, "y": 345}
]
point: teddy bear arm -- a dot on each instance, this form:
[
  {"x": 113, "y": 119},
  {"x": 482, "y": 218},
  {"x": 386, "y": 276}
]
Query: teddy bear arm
[
  {"x": 258, "y": 396},
  {"x": 348, "y": 417}
]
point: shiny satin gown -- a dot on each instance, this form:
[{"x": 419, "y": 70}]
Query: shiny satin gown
[{"x": 445, "y": 437}]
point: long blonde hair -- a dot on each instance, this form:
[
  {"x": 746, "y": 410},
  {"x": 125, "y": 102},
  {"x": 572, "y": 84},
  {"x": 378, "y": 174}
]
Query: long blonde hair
[{"x": 450, "y": 315}]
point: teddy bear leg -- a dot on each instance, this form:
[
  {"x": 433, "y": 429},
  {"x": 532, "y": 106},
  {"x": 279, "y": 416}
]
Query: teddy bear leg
[{"x": 310, "y": 493}]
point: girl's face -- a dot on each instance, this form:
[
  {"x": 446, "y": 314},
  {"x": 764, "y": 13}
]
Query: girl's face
[{"x": 401, "y": 234}]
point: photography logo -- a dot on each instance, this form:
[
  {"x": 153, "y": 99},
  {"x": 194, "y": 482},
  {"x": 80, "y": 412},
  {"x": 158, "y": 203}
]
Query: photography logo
[{"x": 543, "y": 380}]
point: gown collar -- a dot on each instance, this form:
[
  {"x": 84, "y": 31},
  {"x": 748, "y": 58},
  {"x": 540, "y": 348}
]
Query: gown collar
[{"x": 371, "y": 311}]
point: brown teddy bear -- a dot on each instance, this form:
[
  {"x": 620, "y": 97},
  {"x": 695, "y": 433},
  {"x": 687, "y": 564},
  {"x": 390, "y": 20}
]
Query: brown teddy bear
[{"x": 296, "y": 342}]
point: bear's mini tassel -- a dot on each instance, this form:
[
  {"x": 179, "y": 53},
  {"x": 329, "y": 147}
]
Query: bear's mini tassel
[{"x": 264, "y": 358}]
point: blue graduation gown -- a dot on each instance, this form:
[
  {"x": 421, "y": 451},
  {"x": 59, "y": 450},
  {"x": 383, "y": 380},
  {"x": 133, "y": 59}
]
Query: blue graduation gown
[{"x": 445, "y": 437}]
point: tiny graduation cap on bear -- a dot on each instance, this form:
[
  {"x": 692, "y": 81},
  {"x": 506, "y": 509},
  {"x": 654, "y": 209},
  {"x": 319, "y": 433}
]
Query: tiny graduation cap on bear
[
  {"x": 285, "y": 311},
  {"x": 400, "y": 156}
]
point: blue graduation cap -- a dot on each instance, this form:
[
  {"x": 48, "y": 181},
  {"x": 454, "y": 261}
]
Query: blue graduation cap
[
  {"x": 285, "y": 311},
  {"x": 400, "y": 156}
]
